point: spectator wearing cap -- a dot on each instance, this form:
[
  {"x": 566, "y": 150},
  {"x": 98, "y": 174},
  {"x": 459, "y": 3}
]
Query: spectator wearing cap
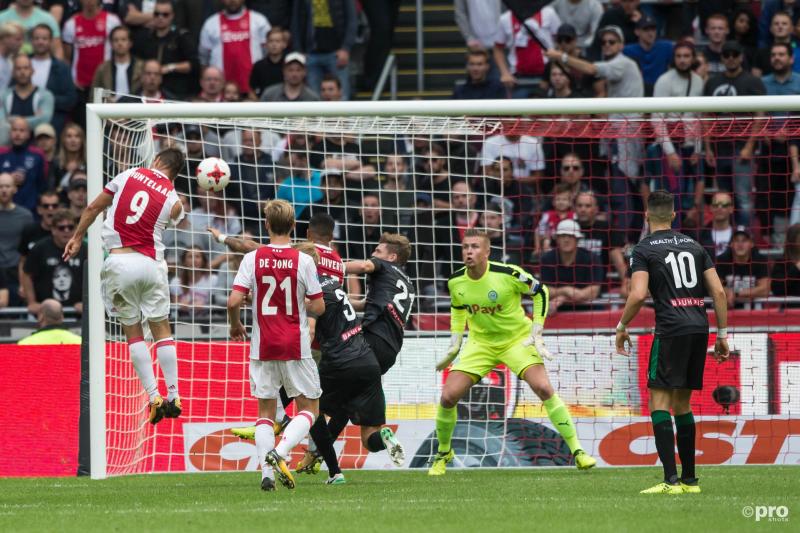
[
  {"x": 26, "y": 163},
  {"x": 44, "y": 138},
  {"x": 526, "y": 59},
  {"x": 478, "y": 85},
  {"x": 786, "y": 271},
  {"x": 732, "y": 158},
  {"x": 13, "y": 220},
  {"x": 653, "y": 55},
  {"x": 212, "y": 82},
  {"x": 717, "y": 30},
  {"x": 583, "y": 16},
  {"x": 583, "y": 84},
  {"x": 293, "y": 88},
  {"x": 24, "y": 99},
  {"x": 173, "y": 47},
  {"x": 52, "y": 74},
  {"x": 268, "y": 70},
  {"x": 232, "y": 40},
  {"x": 123, "y": 72},
  {"x": 624, "y": 17},
  {"x": 571, "y": 272},
  {"x": 623, "y": 80},
  {"x": 325, "y": 30},
  {"x": 674, "y": 159},
  {"x": 76, "y": 194},
  {"x": 743, "y": 270}
]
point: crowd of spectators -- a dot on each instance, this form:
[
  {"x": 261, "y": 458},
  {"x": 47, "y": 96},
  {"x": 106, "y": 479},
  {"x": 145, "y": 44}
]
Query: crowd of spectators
[{"x": 568, "y": 208}]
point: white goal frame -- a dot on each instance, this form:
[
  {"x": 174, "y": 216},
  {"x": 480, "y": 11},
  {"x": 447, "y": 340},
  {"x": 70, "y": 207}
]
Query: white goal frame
[{"x": 95, "y": 113}]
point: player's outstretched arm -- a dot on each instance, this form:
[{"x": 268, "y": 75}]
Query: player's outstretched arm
[
  {"x": 235, "y": 301},
  {"x": 235, "y": 244},
  {"x": 636, "y": 298},
  {"x": 359, "y": 267},
  {"x": 717, "y": 291},
  {"x": 92, "y": 211}
]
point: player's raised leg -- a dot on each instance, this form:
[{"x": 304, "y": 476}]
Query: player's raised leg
[
  {"x": 143, "y": 364},
  {"x": 558, "y": 413},
  {"x": 455, "y": 387}
]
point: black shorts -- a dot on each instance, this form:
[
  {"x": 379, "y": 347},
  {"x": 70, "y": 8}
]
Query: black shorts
[
  {"x": 384, "y": 353},
  {"x": 678, "y": 362},
  {"x": 354, "y": 390}
]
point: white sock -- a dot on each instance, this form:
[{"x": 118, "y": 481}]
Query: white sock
[
  {"x": 294, "y": 433},
  {"x": 168, "y": 361},
  {"x": 265, "y": 441},
  {"x": 140, "y": 357}
]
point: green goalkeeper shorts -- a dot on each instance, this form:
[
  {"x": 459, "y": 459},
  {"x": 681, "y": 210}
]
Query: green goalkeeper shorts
[{"x": 479, "y": 359}]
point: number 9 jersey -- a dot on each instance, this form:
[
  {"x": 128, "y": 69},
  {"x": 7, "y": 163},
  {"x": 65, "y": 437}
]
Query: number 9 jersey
[
  {"x": 139, "y": 212},
  {"x": 676, "y": 264}
]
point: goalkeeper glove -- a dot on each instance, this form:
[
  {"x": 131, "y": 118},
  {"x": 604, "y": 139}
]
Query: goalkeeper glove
[
  {"x": 452, "y": 351},
  {"x": 537, "y": 340}
]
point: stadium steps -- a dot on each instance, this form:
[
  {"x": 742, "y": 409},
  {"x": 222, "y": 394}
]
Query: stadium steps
[{"x": 443, "y": 52}]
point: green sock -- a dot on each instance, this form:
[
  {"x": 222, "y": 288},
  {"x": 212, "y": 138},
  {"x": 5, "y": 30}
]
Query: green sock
[
  {"x": 559, "y": 416},
  {"x": 445, "y": 424}
]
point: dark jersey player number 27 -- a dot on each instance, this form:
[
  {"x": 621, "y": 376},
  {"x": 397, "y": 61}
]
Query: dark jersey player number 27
[
  {"x": 675, "y": 264},
  {"x": 390, "y": 297}
]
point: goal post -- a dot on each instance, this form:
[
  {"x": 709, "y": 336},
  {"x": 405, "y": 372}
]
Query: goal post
[{"x": 122, "y": 443}]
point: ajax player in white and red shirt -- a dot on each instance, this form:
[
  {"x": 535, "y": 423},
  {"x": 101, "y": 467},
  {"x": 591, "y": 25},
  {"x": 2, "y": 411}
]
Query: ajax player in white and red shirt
[
  {"x": 281, "y": 279},
  {"x": 140, "y": 202},
  {"x": 86, "y": 37},
  {"x": 233, "y": 40}
]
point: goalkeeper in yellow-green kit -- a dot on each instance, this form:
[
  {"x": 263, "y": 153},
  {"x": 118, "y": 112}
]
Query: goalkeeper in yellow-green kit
[{"x": 488, "y": 296}]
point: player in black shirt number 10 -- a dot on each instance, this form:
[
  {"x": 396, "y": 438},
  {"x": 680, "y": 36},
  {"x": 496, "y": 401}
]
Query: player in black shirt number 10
[{"x": 679, "y": 273}]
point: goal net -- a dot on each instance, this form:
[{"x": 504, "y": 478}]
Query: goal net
[{"x": 431, "y": 176}]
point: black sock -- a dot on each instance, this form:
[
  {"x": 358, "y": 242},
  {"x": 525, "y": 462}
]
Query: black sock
[
  {"x": 375, "y": 443},
  {"x": 285, "y": 400},
  {"x": 337, "y": 424},
  {"x": 665, "y": 443},
  {"x": 322, "y": 438},
  {"x": 685, "y": 435}
]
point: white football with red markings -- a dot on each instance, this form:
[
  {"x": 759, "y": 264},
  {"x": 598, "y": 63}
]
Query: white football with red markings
[{"x": 213, "y": 174}]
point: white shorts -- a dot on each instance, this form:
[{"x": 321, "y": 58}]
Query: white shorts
[
  {"x": 135, "y": 287},
  {"x": 297, "y": 377}
]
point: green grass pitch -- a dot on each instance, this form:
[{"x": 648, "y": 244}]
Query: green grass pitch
[{"x": 543, "y": 500}]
